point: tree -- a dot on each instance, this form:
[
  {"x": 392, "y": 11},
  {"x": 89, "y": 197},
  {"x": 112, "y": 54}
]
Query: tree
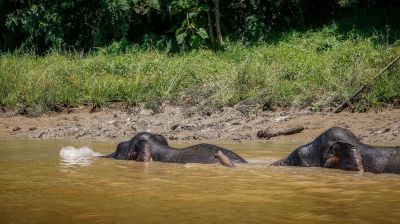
[{"x": 218, "y": 23}]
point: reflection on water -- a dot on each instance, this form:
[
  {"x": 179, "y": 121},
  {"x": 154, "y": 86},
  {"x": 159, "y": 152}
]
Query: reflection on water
[
  {"x": 33, "y": 190},
  {"x": 71, "y": 156}
]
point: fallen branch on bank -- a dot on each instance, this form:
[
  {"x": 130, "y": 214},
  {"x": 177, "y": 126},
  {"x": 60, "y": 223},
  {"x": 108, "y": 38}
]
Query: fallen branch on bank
[
  {"x": 267, "y": 134},
  {"x": 348, "y": 101}
]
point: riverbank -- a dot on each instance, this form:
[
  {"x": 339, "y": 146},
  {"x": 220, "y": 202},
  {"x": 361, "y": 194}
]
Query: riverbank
[{"x": 239, "y": 123}]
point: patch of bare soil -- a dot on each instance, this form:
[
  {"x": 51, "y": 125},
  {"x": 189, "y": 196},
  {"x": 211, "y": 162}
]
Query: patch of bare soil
[{"x": 241, "y": 122}]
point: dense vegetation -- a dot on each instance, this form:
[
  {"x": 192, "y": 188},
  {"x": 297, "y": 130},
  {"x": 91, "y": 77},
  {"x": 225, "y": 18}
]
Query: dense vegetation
[
  {"x": 308, "y": 53},
  {"x": 172, "y": 25}
]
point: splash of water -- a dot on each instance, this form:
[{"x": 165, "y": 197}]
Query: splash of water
[{"x": 77, "y": 156}]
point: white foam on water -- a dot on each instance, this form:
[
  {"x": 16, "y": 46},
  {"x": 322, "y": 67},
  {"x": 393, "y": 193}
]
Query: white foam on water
[
  {"x": 261, "y": 161},
  {"x": 77, "y": 156}
]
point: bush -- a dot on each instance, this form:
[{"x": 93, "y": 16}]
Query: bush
[{"x": 313, "y": 69}]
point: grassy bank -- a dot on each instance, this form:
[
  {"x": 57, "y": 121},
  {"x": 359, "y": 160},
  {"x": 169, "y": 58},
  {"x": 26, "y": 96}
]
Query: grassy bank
[{"x": 312, "y": 69}]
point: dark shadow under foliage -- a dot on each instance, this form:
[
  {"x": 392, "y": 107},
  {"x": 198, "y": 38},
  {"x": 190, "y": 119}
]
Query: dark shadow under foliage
[{"x": 177, "y": 25}]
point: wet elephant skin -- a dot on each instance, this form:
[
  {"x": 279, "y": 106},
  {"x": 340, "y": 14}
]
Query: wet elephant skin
[
  {"x": 339, "y": 148},
  {"x": 152, "y": 147}
]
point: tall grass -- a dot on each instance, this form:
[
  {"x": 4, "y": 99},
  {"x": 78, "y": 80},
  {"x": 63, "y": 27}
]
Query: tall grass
[{"x": 313, "y": 69}]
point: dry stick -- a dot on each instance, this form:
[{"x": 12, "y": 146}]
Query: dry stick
[
  {"x": 224, "y": 160},
  {"x": 351, "y": 98},
  {"x": 288, "y": 131}
]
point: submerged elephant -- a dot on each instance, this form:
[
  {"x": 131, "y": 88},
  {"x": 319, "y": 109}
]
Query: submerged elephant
[
  {"x": 339, "y": 148},
  {"x": 149, "y": 147}
]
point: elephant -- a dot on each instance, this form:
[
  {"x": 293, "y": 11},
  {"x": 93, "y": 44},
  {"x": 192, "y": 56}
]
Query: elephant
[
  {"x": 340, "y": 149},
  {"x": 149, "y": 147}
]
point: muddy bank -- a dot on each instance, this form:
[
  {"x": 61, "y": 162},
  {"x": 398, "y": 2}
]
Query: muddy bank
[{"x": 238, "y": 123}]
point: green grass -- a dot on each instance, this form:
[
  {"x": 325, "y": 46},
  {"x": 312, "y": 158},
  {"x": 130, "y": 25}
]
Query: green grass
[{"x": 313, "y": 69}]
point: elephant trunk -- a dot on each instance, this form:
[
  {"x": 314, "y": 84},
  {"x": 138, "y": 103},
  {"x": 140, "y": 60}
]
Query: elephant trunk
[
  {"x": 112, "y": 155},
  {"x": 281, "y": 162}
]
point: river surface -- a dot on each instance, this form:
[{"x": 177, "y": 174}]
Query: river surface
[{"x": 38, "y": 186}]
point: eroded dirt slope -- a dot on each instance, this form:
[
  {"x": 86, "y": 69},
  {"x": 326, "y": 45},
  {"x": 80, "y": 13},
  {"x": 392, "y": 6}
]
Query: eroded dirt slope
[{"x": 230, "y": 123}]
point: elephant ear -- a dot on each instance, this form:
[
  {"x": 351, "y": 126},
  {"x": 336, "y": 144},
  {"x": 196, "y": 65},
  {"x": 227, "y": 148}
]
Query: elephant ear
[
  {"x": 344, "y": 156},
  {"x": 143, "y": 151}
]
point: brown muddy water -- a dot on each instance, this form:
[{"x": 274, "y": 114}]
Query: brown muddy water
[{"x": 38, "y": 186}]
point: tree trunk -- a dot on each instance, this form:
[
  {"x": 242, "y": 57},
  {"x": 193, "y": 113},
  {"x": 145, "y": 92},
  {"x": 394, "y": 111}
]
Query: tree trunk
[
  {"x": 210, "y": 27},
  {"x": 218, "y": 23}
]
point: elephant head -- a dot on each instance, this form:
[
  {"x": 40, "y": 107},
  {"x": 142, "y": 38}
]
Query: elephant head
[
  {"x": 139, "y": 147},
  {"x": 335, "y": 148},
  {"x": 343, "y": 156},
  {"x": 339, "y": 155},
  {"x": 141, "y": 152}
]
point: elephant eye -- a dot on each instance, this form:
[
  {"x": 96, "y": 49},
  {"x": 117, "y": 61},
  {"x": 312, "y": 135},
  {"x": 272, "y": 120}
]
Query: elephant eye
[
  {"x": 331, "y": 151},
  {"x": 334, "y": 149}
]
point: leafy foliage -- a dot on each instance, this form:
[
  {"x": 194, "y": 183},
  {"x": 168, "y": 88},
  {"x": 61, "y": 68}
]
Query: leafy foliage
[{"x": 171, "y": 25}]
